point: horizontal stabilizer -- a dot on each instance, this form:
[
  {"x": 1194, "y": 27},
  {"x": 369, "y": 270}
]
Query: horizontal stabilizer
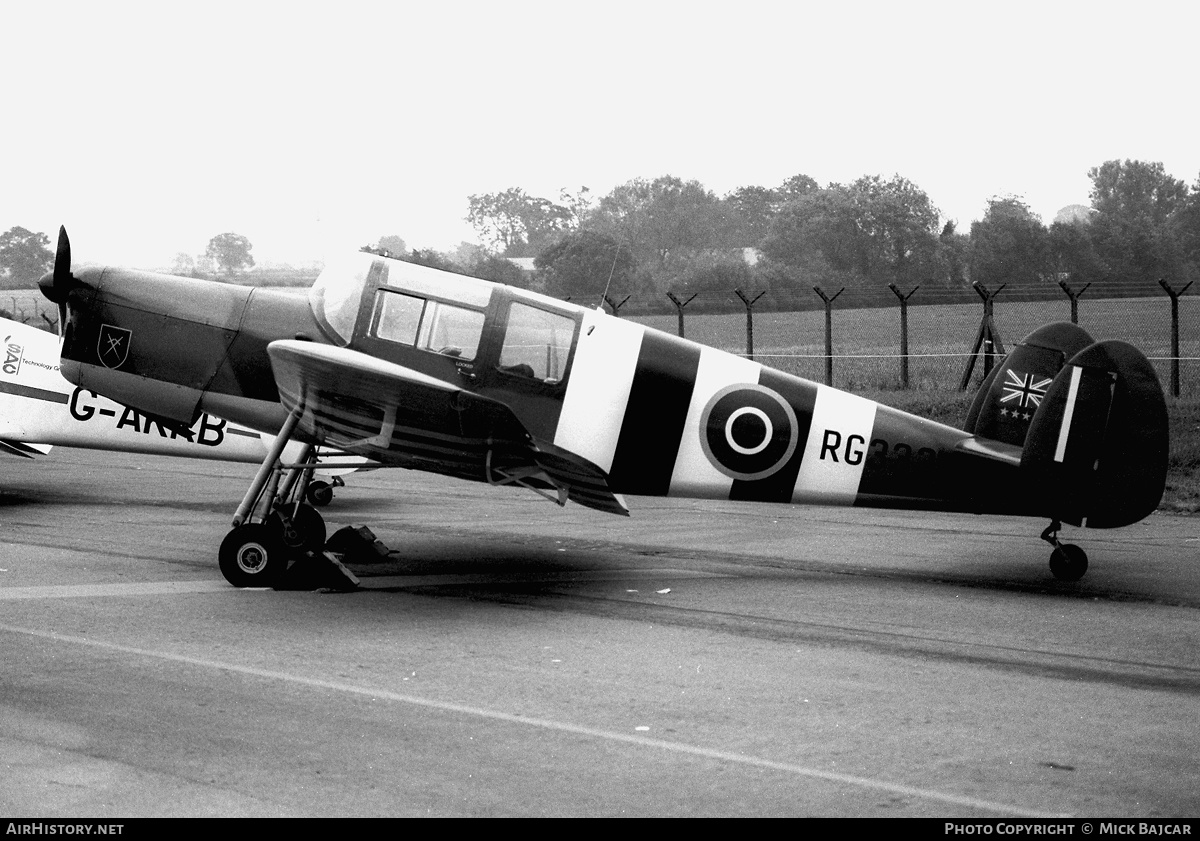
[{"x": 1097, "y": 446}]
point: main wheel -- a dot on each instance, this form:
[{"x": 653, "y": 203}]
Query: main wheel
[
  {"x": 302, "y": 530},
  {"x": 319, "y": 493},
  {"x": 252, "y": 555},
  {"x": 1068, "y": 562}
]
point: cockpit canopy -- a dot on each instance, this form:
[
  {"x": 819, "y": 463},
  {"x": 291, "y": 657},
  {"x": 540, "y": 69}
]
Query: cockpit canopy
[
  {"x": 337, "y": 299},
  {"x": 394, "y": 309}
]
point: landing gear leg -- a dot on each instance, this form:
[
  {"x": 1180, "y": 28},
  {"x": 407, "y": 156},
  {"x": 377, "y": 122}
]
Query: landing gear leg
[
  {"x": 1067, "y": 562},
  {"x": 256, "y": 552},
  {"x": 302, "y": 527}
]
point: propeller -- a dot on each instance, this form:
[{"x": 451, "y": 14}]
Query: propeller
[{"x": 57, "y": 284}]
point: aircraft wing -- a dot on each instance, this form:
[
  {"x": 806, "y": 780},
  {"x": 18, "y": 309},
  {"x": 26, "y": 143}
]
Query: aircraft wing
[
  {"x": 20, "y": 448},
  {"x": 396, "y": 415}
]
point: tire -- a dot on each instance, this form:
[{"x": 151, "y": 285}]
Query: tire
[
  {"x": 303, "y": 531},
  {"x": 319, "y": 494},
  {"x": 1068, "y": 562},
  {"x": 252, "y": 555}
]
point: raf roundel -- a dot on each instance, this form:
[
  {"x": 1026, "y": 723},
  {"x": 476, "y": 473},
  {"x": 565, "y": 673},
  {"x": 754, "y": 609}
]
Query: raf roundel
[{"x": 748, "y": 432}]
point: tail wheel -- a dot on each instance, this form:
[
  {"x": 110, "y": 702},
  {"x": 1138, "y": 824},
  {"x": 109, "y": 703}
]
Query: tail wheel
[
  {"x": 1068, "y": 562},
  {"x": 301, "y": 530},
  {"x": 319, "y": 493},
  {"x": 252, "y": 555}
]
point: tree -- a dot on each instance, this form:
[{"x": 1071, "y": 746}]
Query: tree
[
  {"x": 746, "y": 216},
  {"x": 432, "y": 259},
  {"x": 393, "y": 245},
  {"x": 24, "y": 257},
  {"x": 869, "y": 233},
  {"x": 659, "y": 218},
  {"x": 514, "y": 224},
  {"x": 498, "y": 270},
  {"x": 819, "y": 227},
  {"x": 714, "y": 281},
  {"x": 1185, "y": 228},
  {"x": 796, "y": 187},
  {"x": 954, "y": 249},
  {"x": 467, "y": 253},
  {"x": 184, "y": 265},
  {"x": 1073, "y": 254},
  {"x": 1009, "y": 245},
  {"x": 1134, "y": 201},
  {"x": 583, "y": 264},
  {"x": 231, "y": 252},
  {"x": 578, "y": 204}
]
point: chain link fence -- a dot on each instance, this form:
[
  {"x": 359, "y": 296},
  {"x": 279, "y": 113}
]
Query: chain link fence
[{"x": 866, "y": 345}]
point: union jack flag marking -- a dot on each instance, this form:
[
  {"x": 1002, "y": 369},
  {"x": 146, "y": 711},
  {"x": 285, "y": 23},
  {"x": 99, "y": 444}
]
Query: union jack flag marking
[{"x": 1023, "y": 389}]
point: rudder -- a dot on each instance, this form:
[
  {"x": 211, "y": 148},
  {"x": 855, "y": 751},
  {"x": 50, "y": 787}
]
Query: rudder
[{"x": 1097, "y": 446}]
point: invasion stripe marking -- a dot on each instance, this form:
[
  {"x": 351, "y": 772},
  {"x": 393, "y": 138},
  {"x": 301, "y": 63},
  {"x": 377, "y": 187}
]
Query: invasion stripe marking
[
  {"x": 654, "y": 415},
  {"x": 694, "y": 475},
  {"x": 601, "y": 377},
  {"x": 836, "y": 450}
]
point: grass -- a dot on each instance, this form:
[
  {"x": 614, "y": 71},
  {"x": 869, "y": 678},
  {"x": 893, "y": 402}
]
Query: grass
[
  {"x": 1183, "y": 464},
  {"x": 866, "y": 342}
]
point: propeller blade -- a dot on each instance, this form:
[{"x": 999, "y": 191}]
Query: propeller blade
[
  {"x": 56, "y": 284},
  {"x": 62, "y": 258}
]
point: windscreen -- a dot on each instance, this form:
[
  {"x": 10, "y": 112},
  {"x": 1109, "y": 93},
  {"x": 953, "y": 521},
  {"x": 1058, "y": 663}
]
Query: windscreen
[{"x": 336, "y": 294}]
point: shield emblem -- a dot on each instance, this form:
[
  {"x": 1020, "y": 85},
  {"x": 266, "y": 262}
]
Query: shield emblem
[{"x": 113, "y": 345}]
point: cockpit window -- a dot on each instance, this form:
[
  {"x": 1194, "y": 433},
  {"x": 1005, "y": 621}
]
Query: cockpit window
[
  {"x": 450, "y": 330},
  {"x": 428, "y": 325},
  {"x": 397, "y": 316},
  {"x": 537, "y": 343}
]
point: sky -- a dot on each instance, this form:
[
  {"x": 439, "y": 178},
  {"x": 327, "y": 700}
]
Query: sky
[{"x": 311, "y": 128}]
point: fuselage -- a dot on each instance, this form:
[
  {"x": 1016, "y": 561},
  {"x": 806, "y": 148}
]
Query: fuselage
[{"x": 659, "y": 415}]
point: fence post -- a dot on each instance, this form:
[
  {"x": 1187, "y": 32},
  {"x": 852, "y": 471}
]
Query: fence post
[
  {"x": 1174, "y": 332},
  {"x": 749, "y": 302},
  {"x": 828, "y": 330},
  {"x": 679, "y": 305},
  {"x": 1074, "y": 296},
  {"x": 987, "y": 339},
  {"x": 903, "y": 330},
  {"x": 616, "y": 308}
]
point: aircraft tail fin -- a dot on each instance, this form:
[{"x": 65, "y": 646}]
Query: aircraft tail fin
[
  {"x": 1097, "y": 444},
  {"x": 1006, "y": 401}
]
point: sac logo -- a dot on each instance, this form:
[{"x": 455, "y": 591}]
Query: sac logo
[
  {"x": 748, "y": 432},
  {"x": 12, "y": 359}
]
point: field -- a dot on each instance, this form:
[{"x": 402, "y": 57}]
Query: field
[{"x": 866, "y": 342}]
